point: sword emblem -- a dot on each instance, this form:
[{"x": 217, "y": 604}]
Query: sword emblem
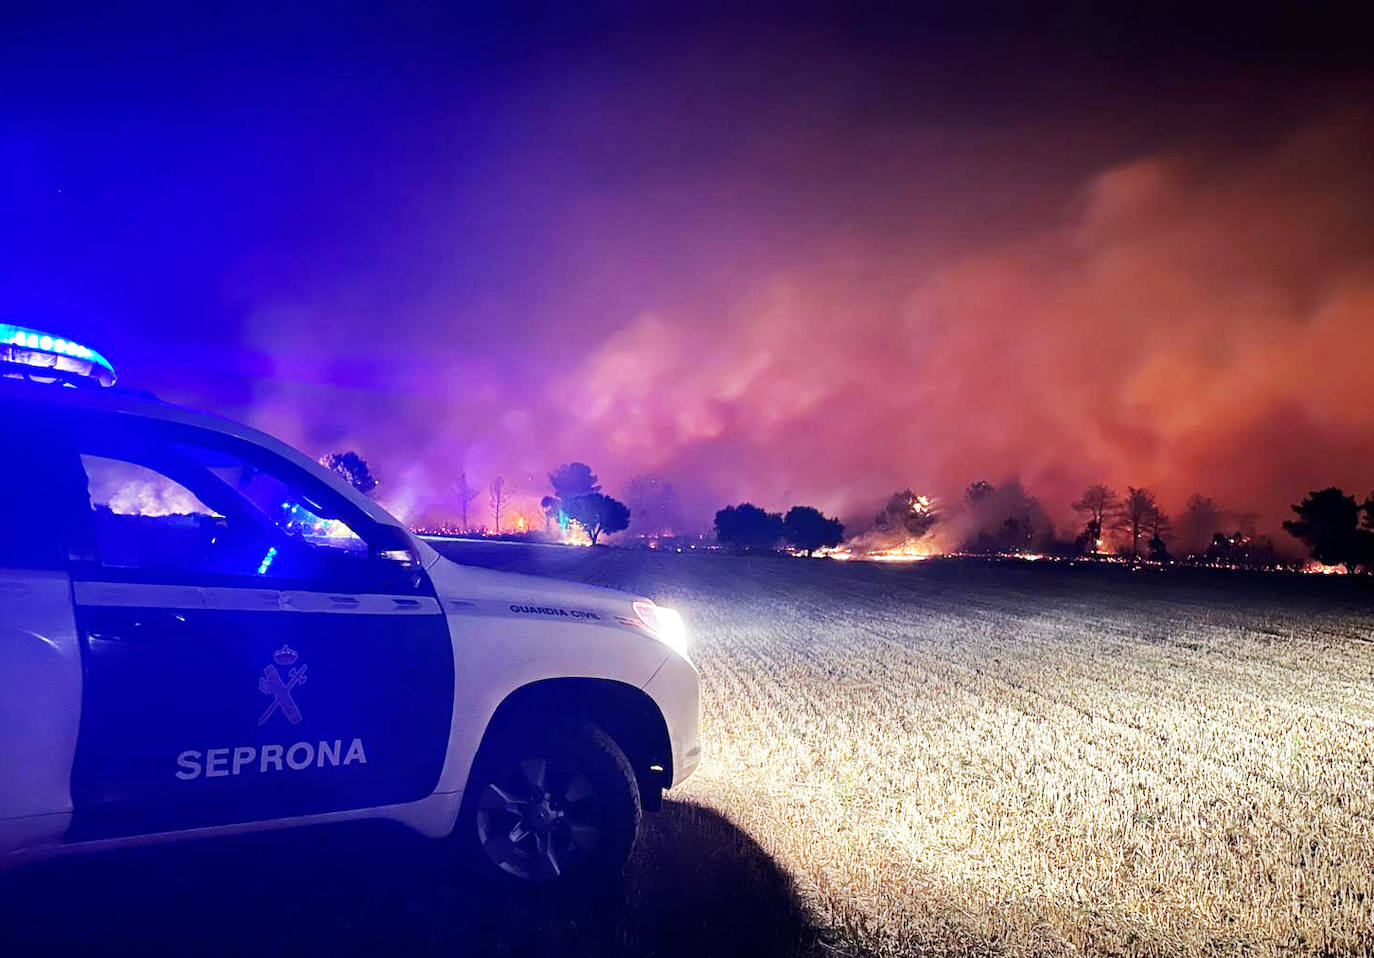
[{"x": 271, "y": 683}]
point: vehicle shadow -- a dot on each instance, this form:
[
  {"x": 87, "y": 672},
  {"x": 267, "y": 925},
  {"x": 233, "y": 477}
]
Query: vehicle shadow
[{"x": 696, "y": 885}]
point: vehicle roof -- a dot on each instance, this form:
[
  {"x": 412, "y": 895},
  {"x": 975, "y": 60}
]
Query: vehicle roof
[{"x": 147, "y": 406}]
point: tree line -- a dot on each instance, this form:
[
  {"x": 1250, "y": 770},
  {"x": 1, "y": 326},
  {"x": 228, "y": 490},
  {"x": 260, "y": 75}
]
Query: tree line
[
  {"x": 1336, "y": 528},
  {"x": 747, "y": 528}
]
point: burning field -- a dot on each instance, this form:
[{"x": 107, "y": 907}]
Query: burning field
[{"x": 956, "y": 757}]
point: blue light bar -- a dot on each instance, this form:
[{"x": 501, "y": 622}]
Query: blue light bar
[{"x": 43, "y": 351}]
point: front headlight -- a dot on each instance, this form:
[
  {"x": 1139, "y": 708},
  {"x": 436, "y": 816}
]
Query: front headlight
[{"x": 663, "y": 624}]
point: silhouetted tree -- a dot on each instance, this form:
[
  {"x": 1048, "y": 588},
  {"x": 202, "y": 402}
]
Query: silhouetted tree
[
  {"x": 1097, "y": 502},
  {"x": 551, "y": 506},
  {"x": 1135, "y": 514},
  {"x": 1160, "y": 529},
  {"x": 806, "y": 529},
  {"x": 466, "y": 494},
  {"x": 497, "y": 492},
  {"x": 979, "y": 491},
  {"x": 1328, "y": 521},
  {"x": 746, "y": 526},
  {"x": 1201, "y": 521},
  {"x": 353, "y": 468},
  {"x": 1090, "y": 539},
  {"x": 1004, "y": 518},
  {"x": 598, "y": 514},
  {"x": 906, "y": 514},
  {"x": 570, "y": 480},
  {"x": 573, "y": 479}
]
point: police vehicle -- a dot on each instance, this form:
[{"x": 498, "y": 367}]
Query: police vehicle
[{"x": 204, "y": 632}]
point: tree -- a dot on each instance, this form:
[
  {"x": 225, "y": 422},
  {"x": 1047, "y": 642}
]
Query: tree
[
  {"x": 570, "y": 480},
  {"x": 1200, "y": 523},
  {"x": 906, "y": 514},
  {"x": 1160, "y": 528},
  {"x": 353, "y": 468},
  {"x": 466, "y": 494},
  {"x": 597, "y": 513},
  {"x": 1004, "y": 519},
  {"x": 573, "y": 479},
  {"x": 808, "y": 530},
  {"x": 979, "y": 491},
  {"x": 551, "y": 506},
  {"x": 1135, "y": 515},
  {"x": 497, "y": 492},
  {"x": 746, "y": 527},
  {"x": 1097, "y": 502},
  {"x": 1328, "y": 522}
]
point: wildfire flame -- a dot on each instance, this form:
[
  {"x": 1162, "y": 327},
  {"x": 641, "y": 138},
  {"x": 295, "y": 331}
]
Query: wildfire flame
[{"x": 912, "y": 551}]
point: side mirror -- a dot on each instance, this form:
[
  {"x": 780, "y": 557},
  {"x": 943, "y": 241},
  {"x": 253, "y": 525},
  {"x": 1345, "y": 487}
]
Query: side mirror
[{"x": 394, "y": 545}]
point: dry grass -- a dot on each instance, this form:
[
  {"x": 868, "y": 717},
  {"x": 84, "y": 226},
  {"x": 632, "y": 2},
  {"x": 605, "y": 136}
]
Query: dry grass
[{"x": 983, "y": 760}]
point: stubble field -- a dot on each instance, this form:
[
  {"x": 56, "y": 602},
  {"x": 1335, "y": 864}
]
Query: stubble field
[{"x": 959, "y": 758}]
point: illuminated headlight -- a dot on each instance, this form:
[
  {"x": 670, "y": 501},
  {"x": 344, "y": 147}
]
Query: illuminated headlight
[{"x": 663, "y": 624}]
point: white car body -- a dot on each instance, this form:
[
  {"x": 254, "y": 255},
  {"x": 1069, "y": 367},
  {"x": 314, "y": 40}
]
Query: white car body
[{"x": 511, "y": 638}]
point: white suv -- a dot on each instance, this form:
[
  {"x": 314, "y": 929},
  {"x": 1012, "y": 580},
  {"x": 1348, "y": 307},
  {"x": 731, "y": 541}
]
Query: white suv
[{"x": 204, "y": 632}]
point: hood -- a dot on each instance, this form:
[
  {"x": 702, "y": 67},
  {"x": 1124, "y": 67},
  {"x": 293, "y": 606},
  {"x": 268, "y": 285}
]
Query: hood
[{"x": 473, "y": 583}]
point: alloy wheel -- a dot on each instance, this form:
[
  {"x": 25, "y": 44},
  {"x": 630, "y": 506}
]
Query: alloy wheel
[{"x": 537, "y": 819}]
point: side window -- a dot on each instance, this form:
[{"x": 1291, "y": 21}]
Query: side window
[
  {"x": 143, "y": 519},
  {"x": 181, "y": 505}
]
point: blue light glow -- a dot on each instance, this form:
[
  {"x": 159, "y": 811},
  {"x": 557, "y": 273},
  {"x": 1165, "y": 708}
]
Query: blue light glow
[
  {"x": 267, "y": 561},
  {"x": 20, "y": 337}
]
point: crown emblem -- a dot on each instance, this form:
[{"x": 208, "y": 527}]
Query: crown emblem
[{"x": 285, "y": 655}]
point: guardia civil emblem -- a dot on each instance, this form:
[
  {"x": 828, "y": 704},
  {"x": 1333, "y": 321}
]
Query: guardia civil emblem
[{"x": 271, "y": 683}]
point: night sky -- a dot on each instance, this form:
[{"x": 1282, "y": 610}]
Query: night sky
[{"x": 811, "y": 258}]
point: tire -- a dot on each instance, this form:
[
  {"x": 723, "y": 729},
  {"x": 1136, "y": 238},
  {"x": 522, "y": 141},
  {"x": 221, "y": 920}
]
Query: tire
[{"x": 551, "y": 806}]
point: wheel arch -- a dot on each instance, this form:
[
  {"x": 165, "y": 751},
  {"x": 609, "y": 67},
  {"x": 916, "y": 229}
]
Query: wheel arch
[{"x": 627, "y": 714}]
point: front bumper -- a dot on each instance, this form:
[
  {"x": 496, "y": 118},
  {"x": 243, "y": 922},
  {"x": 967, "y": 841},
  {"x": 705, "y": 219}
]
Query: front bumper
[{"x": 676, "y": 689}]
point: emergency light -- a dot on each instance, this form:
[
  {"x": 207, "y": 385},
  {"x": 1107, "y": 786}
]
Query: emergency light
[{"x": 46, "y": 355}]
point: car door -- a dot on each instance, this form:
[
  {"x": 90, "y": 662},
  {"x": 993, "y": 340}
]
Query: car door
[{"x": 255, "y": 647}]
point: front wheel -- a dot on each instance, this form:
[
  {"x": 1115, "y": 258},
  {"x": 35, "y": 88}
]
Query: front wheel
[{"x": 554, "y": 804}]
